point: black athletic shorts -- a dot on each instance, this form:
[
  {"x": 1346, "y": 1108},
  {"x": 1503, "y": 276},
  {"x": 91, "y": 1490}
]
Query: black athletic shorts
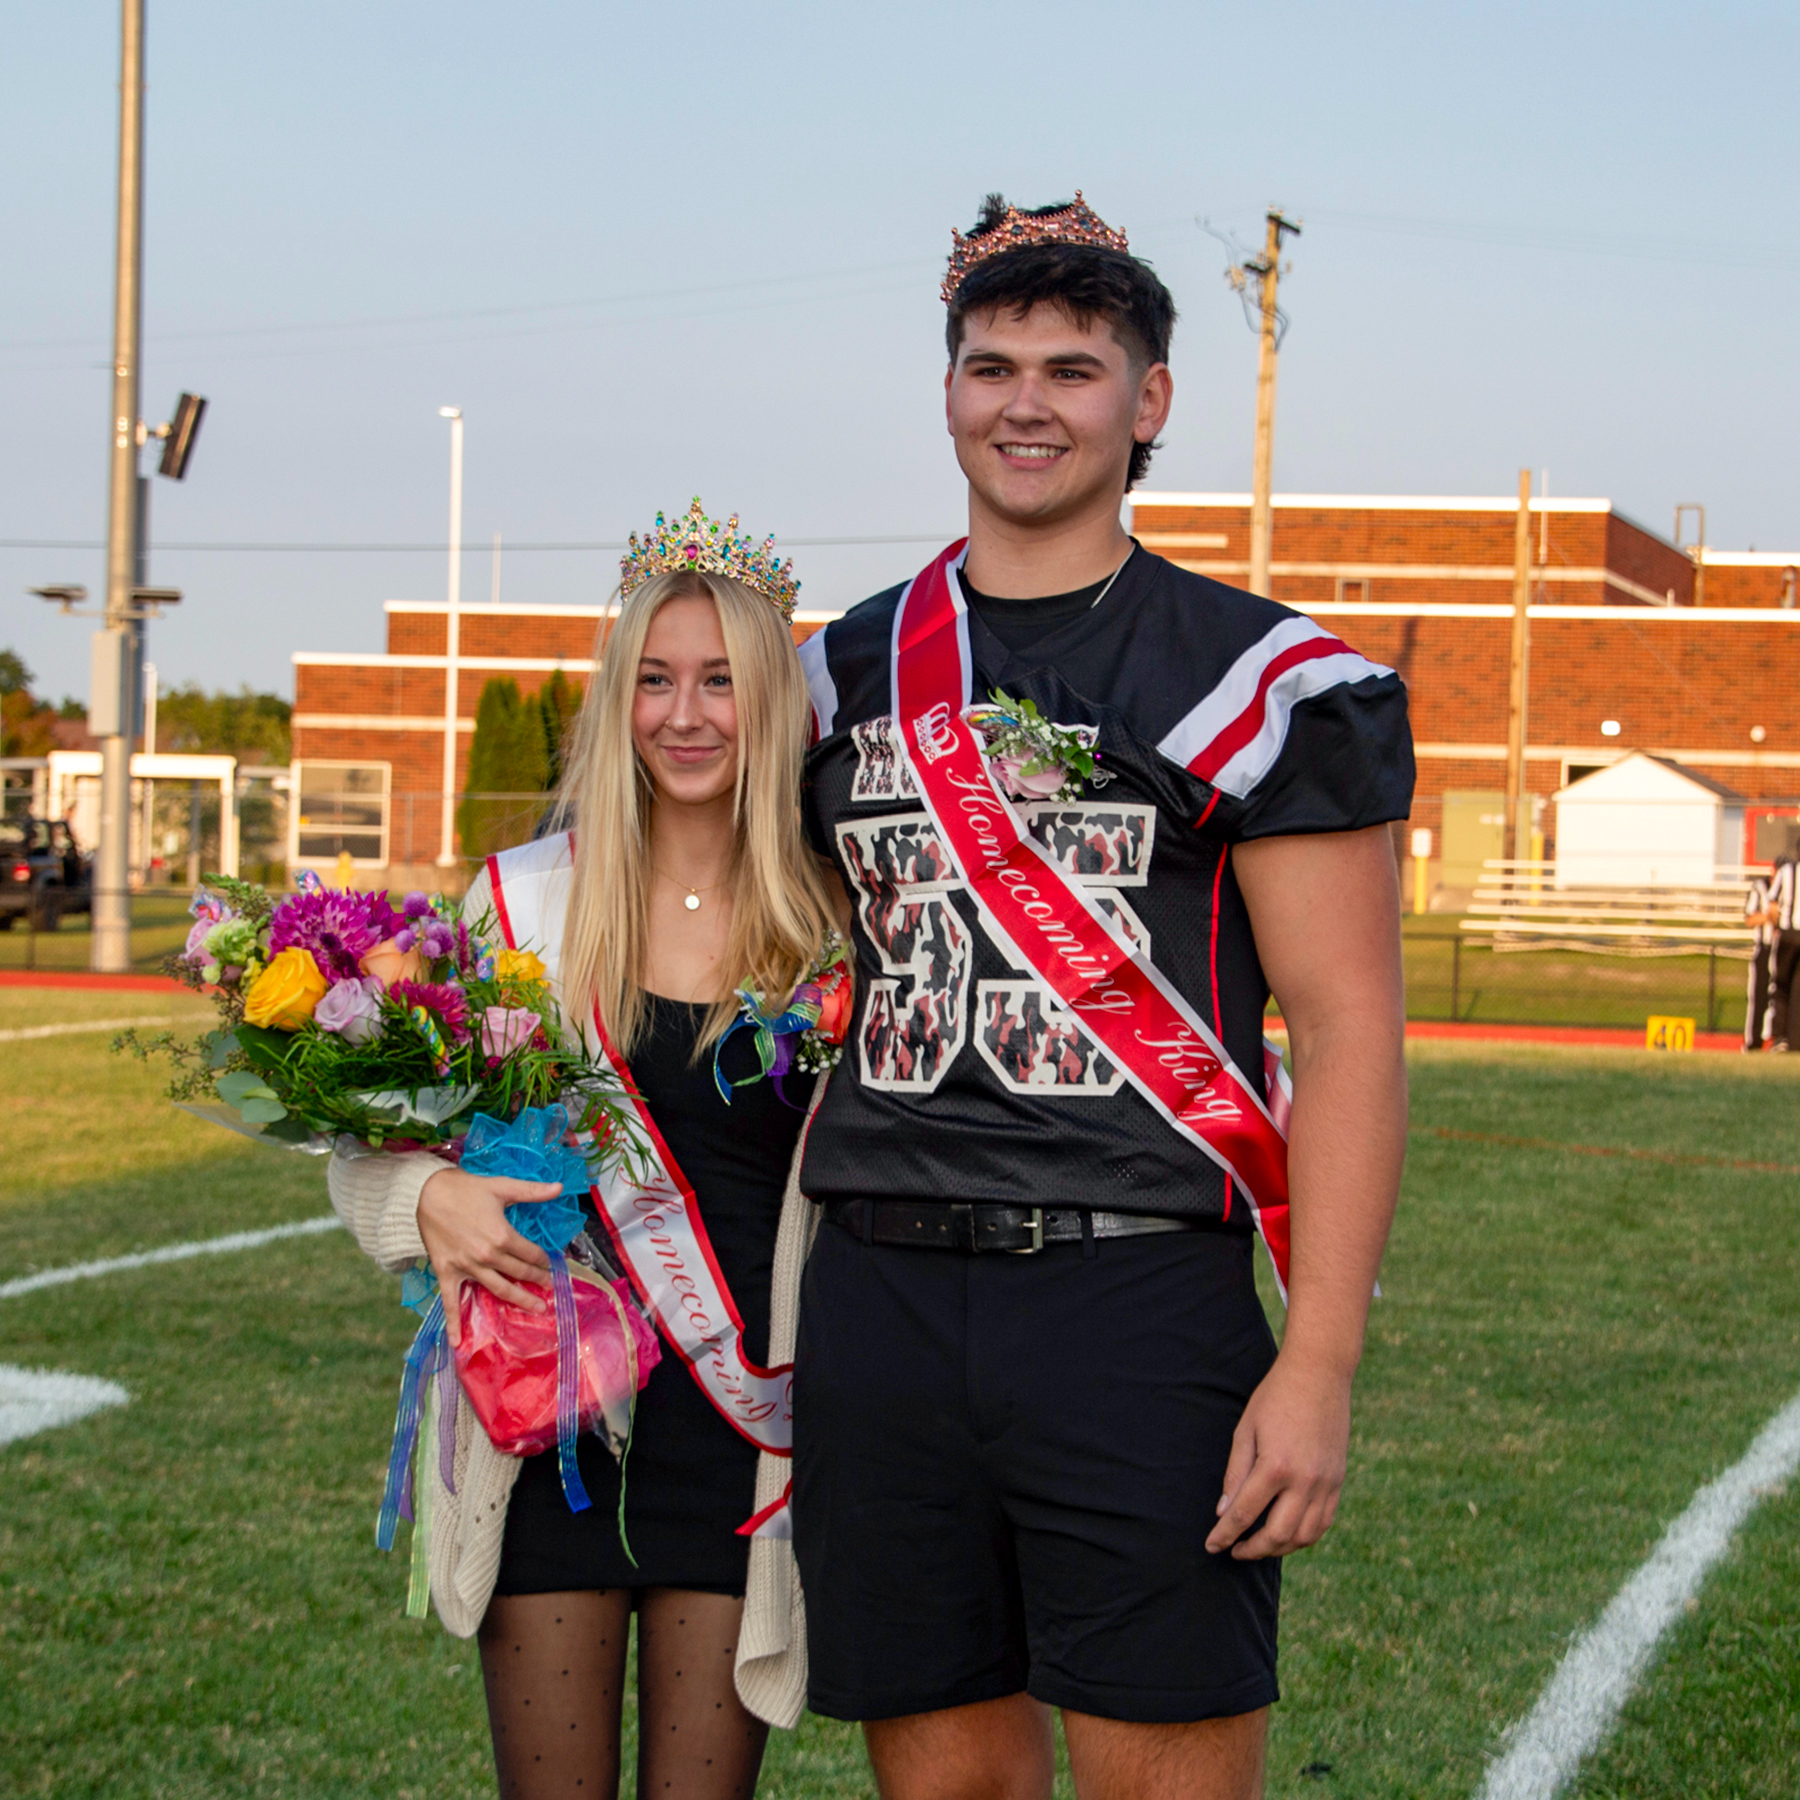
[{"x": 1005, "y": 1468}]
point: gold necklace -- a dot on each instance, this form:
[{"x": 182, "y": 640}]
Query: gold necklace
[{"x": 692, "y": 902}]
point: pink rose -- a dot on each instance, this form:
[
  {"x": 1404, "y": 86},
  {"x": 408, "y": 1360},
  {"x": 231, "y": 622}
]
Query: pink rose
[
  {"x": 505, "y": 1029},
  {"x": 388, "y": 963},
  {"x": 1044, "y": 785}
]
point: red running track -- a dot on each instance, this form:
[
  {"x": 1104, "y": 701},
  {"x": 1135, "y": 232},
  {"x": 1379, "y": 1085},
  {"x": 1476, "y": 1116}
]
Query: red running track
[{"x": 52, "y": 978}]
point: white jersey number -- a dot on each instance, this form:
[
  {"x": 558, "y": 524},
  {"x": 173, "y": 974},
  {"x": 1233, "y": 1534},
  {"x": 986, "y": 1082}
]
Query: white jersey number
[{"x": 916, "y": 1021}]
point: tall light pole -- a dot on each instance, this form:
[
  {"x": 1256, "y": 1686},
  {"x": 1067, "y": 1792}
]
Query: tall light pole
[
  {"x": 1516, "y": 829},
  {"x": 452, "y": 637},
  {"x": 111, "y": 669}
]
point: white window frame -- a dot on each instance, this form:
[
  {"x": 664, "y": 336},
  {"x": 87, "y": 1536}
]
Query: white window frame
[{"x": 297, "y": 777}]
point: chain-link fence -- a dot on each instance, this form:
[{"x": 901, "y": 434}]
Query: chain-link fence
[{"x": 1452, "y": 974}]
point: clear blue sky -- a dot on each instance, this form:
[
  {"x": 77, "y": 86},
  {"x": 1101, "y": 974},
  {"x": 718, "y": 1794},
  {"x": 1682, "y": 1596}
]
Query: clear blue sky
[{"x": 659, "y": 250}]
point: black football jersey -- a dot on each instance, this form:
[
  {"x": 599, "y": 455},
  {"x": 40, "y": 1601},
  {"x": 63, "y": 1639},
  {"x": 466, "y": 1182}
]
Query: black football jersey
[{"x": 1220, "y": 717}]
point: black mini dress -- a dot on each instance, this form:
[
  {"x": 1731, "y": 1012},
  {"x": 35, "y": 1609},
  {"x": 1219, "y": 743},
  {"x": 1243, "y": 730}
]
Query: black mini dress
[{"x": 690, "y": 1479}]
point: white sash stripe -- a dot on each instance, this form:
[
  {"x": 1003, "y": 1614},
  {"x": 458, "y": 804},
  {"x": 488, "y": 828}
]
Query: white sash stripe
[
  {"x": 654, "y": 1222},
  {"x": 819, "y": 684}
]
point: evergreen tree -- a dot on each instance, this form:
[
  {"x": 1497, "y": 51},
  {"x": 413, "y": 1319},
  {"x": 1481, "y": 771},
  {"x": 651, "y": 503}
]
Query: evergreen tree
[
  {"x": 559, "y": 699},
  {"x": 508, "y": 756}
]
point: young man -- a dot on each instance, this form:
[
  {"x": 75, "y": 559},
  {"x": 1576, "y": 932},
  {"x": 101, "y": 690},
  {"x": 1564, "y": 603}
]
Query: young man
[{"x": 1064, "y": 1477}]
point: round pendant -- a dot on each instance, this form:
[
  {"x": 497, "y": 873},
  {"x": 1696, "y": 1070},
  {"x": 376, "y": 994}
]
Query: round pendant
[{"x": 692, "y": 903}]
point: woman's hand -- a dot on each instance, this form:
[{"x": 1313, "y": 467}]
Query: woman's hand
[{"x": 462, "y": 1220}]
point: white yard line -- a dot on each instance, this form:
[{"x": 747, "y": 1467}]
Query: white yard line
[
  {"x": 34, "y": 1400},
  {"x": 1579, "y": 1708},
  {"x": 143, "y": 1259},
  {"x": 43, "y": 1031}
]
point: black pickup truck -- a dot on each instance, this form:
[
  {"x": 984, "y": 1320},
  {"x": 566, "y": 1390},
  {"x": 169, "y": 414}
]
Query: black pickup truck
[{"x": 43, "y": 873}]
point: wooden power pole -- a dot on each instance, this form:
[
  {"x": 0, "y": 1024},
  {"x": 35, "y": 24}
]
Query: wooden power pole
[
  {"x": 1267, "y": 271},
  {"x": 1517, "y": 830}
]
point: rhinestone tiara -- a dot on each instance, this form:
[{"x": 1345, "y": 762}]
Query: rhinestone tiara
[
  {"x": 1074, "y": 223},
  {"x": 698, "y": 543}
]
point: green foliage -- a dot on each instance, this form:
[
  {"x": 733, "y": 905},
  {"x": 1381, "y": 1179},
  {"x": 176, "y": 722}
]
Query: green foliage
[
  {"x": 24, "y": 720},
  {"x": 517, "y": 750},
  {"x": 559, "y": 699},
  {"x": 190, "y": 1603},
  {"x": 250, "y": 726}
]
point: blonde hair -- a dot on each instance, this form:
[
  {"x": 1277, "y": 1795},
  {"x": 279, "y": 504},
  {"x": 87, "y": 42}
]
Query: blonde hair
[{"x": 780, "y": 915}]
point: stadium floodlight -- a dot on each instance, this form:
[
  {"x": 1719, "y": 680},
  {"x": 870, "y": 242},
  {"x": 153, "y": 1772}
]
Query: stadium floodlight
[
  {"x": 179, "y": 434},
  {"x": 68, "y": 596}
]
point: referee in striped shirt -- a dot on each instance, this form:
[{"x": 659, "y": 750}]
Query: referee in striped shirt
[{"x": 1778, "y": 916}]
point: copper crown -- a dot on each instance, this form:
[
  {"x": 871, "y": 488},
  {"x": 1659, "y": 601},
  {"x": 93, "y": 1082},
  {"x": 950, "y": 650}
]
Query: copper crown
[{"x": 1076, "y": 223}]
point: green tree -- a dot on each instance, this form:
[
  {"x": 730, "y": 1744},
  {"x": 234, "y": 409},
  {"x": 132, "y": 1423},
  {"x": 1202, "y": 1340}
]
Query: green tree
[
  {"x": 508, "y": 756},
  {"x": 559, "y": 699},
  {"x": 24, "y": 719},
  {"x": 252, "y": 727}
]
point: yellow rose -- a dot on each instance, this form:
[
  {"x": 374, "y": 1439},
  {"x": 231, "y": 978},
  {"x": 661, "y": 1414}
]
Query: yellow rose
[
  {"x": 518, "y": 965},
  {"x": 283, "y": 996}
]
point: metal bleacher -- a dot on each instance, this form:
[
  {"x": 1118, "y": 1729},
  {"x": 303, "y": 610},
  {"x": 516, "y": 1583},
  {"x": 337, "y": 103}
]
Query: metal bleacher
[{"x": 1519, "y": 907}]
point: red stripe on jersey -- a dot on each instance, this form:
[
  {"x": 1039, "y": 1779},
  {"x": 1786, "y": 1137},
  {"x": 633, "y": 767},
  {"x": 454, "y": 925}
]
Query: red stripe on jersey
[{"x": 1214, "y": 756}]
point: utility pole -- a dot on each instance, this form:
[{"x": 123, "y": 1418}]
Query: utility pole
[
  {"x": 1267, "y": 271},
  {"x": 1697, "y": 550},
  {"x": 1516, "y": 830},
  {"x": 452, "y": 635},
  {"x": 112, "y": 688}
]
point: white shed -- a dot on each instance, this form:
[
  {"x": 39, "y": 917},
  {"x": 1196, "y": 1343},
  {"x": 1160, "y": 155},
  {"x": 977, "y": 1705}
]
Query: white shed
[{"x": 1645, "y": 821}]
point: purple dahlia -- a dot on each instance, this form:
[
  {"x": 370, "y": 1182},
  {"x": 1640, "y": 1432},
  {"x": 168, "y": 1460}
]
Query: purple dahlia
[
  {"x": 338, "y": 928},
  {"x": 445, "y": 999}
]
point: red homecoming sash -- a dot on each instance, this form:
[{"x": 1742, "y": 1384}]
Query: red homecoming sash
[
  {"x": 651, "y": 1213},
  {"x": 1045, "y": 923}
]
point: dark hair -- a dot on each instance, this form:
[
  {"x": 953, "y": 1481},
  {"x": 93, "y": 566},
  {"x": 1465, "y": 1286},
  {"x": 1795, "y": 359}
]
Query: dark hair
[{"x": 1086, "y": 281}]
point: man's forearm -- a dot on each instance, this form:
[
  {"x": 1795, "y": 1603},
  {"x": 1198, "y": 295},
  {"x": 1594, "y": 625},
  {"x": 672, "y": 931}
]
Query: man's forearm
[{"x": 1346, "y": 1143}]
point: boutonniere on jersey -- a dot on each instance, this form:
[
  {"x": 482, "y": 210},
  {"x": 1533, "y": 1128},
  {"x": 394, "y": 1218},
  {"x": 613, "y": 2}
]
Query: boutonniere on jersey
[
  {"x": 1032, "y": 757},
  {"x": 807, "y": 1034}
]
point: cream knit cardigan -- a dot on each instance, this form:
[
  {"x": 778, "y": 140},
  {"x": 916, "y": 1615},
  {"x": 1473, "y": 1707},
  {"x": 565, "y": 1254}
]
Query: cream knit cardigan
[{"x": 377, "y": 1197}]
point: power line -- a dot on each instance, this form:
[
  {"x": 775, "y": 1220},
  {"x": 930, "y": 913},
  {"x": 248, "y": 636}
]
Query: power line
[
  {"x": 1531, "y": 237},
  {"x": 209, "y": 333},
  {"x": 441, "y": 547}
]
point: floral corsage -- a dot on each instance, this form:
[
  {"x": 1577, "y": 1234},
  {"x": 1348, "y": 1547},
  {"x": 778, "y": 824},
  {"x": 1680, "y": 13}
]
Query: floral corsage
[
  {"x": 808, "y": 1034},
  {"x": 1033, "y": 758}
]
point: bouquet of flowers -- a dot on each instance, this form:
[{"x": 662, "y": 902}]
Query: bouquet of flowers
[
  {"x": 1034, "y": 758},
  {"x": 341, "y": 1014},
  {"x": 348, "y": 1022}
]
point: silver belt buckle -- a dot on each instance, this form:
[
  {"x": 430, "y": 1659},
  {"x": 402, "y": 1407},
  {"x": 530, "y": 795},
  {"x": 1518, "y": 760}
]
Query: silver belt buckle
[{"x": 1037, "y": 1235}]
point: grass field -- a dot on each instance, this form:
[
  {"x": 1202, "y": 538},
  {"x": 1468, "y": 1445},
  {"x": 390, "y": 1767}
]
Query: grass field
[
  {"x": 1570, "y": 1344},
  {"x": 1454, "y": 974},
  {"x": 159, "y": 925}
]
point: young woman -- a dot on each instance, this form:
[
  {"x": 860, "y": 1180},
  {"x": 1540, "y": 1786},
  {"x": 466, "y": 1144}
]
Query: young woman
[{"x": 684, "y": 879}]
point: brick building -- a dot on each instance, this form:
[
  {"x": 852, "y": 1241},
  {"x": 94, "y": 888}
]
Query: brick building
[{"x": 1621, "y": 658}]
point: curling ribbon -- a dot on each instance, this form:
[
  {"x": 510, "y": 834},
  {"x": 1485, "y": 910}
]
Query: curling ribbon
[
  {"x": 773, "y": 1034},
  {"x": 428, "y": 1346},
  {"x": 418, "y": 1585}
]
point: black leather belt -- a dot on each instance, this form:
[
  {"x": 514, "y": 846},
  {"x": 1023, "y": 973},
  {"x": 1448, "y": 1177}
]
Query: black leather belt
[{"x": 954, "y": 1225}]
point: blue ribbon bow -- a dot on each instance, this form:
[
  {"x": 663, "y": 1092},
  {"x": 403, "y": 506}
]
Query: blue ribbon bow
[{"x": 774, "y": 1034}]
